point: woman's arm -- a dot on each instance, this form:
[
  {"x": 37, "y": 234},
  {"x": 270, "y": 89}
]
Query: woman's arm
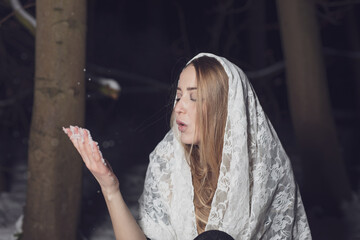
[{"x": 124, "y": 224}]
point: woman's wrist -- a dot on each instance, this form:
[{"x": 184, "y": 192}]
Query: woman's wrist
[{"x": 110, "y": 191}]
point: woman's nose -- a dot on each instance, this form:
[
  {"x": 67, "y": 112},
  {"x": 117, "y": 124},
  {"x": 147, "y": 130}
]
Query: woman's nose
[{"x": 179, "y": 107}]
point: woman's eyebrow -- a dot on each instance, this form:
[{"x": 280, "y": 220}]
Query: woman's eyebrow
[{"x": 191, "y": 88}]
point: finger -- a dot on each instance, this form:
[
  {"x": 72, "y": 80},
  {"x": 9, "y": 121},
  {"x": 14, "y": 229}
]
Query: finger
[
  {"x": 90, "y": 141},
  {"x": 87, "y": 141},
  {"x": 94, "y": 147},
  {"x": 74, "y": 133},
  {"x": 74, "y": 137},
  {"x": 87, "y": 144},
  {"x": 66, "y": 131},
  {"x": 87, "y": 148},
  {"x": 71, "y": 134},
  {"x": 82, "y": 148},
  {"x": 93, "y": 150}
]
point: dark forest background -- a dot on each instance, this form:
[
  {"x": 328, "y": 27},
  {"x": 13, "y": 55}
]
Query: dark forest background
[{"x": 143, "y": 45}]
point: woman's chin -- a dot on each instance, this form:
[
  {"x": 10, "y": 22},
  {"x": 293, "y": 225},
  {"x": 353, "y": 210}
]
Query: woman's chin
[{"x": 188, "y": 141}]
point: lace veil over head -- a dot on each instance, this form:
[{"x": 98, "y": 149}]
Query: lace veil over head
[{"x": 256, "y": 196}]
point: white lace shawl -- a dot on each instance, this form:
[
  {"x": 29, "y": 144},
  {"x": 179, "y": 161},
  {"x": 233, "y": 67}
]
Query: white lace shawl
[{"x": 256, "y": 196}]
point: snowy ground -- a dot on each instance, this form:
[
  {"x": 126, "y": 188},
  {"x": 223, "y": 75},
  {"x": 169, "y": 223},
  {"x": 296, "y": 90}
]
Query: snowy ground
[{"x": 12, "y": 203}]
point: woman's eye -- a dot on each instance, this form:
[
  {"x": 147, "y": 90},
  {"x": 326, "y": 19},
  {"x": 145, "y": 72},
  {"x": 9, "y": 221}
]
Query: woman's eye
[
  {"x": 178, "y": 97},
  {"x": 193, "y": 98}
]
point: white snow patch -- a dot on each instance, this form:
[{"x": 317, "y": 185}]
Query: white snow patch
[
  {"x": 352, "y": 216},
  {"x": 12, "y": 203},
  {"x": 111, "y": 83}
]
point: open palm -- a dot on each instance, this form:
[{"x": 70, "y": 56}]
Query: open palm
[{"x": 92, "y": 157}]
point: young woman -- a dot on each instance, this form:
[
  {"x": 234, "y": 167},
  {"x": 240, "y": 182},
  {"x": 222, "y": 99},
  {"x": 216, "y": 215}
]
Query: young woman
[{"x": 220, "y": 167}]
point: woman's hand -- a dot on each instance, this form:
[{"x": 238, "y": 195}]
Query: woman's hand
[
  {"x": 93, "y": 159},
  {"x": 125, "y": 226}
]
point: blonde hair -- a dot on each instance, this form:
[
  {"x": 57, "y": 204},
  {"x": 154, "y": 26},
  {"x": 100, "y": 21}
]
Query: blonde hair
[{"x": 204, "y": 160}]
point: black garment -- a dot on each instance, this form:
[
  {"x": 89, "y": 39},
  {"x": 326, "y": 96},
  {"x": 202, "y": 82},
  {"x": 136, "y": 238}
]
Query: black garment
[{"x": 212, "y": 235}]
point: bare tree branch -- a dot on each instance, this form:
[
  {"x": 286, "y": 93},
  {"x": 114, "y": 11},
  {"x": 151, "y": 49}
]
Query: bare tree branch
[
  {"x": 329, "y": 18},
  {"x": 26, "y": 19},
  {"x": 342, "y": 53},
  {"x": 277, "y": 67},
  {"x": 130, "y": 77},
  {"x": 13, "y": 13},
  {"x": 15, "y": 98}
]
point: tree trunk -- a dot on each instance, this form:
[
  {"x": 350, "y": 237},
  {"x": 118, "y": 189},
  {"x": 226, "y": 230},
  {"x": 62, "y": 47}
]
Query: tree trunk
[
  {"x": 325, "y": 179},
  {"x": 54, "y": 177}
]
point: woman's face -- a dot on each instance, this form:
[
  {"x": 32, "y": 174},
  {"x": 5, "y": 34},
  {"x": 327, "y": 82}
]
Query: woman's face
[{"x": 185, "y": 108}]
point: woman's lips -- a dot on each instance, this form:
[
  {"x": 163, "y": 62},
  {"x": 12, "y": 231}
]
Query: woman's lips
[{"x": 181, "y": 126}]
